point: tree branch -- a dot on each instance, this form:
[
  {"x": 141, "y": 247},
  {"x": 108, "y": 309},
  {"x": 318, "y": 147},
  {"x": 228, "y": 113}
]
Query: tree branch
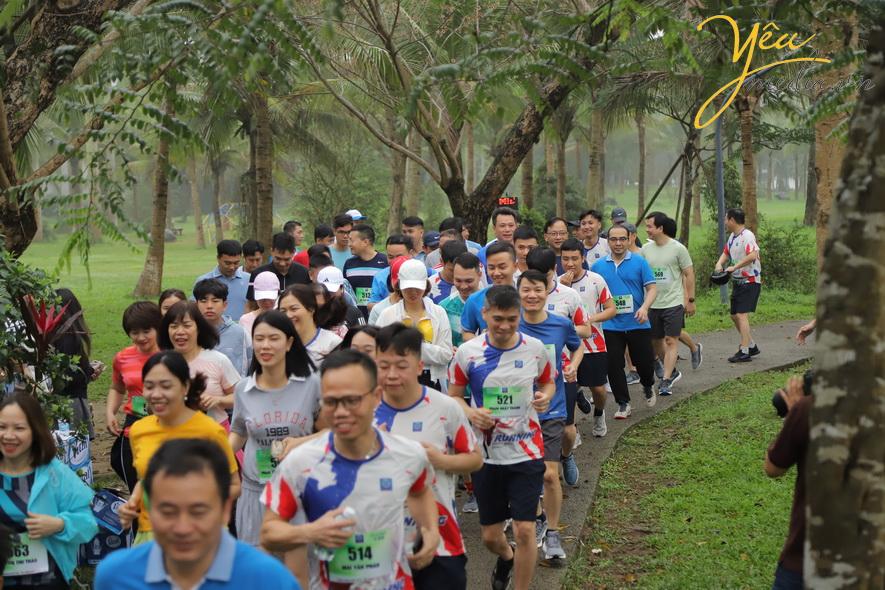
[{"x": 7, "y": 157}]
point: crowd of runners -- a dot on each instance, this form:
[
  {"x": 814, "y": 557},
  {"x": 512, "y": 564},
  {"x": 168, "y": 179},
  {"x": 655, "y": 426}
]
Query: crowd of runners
[{"x": 331, "y": 413}]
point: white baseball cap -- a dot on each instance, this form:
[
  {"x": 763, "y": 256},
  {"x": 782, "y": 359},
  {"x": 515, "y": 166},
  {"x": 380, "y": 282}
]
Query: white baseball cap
[
  {"x": 332, "y": 278},
  {"x": 266, "y": 286},
  {"x": 355, "y": 215},
  {"x": 412, "y": 275}
]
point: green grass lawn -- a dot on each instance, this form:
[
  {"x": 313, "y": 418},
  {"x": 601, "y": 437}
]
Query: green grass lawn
[{"x": 683, "y": 501}]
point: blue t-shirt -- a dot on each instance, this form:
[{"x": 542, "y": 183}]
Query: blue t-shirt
[
  {"x": 556, "y": 333},
  {"x": 236, "y": 565},
  {"x": 471, "y": 316},
  {"x": 626, "y": 284},
  {"x": 482, "y": 258},
  {"x": 360, "y": 274},
  {"x": 339, "y": 258}
]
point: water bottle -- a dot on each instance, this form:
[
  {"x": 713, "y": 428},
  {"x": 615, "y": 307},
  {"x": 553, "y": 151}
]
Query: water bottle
[{"x": 326, "y": 554}]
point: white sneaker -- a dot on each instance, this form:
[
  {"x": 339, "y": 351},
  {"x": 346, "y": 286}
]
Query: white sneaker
[
  {"x": 650, "y": 397},
  {"x": 608, "y": 387},
  {"x": 577, "y": 440},
  {"x": 599, "y": 426},
  {"x": 624, "y": 411}
]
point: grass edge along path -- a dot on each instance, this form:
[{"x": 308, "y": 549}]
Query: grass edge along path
[{"x": 683, "y": 501}]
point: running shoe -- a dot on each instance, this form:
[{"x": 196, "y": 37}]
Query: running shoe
[
  {"x": 470, "y": 505},
  {"x": 659, "y": 369},
  {"x": 664, "y": 387},
  {"x": 632, "y": 377},
  {"x": 578, "y": 440},
  {"x": 754, "y": 350},
  {"x": 624, "y": 411},
  {"x": 569, "y": 470},
  {"x": 599, "y": 426},
  {"x": 650, "y": 398},
  {"x": 608, "y": 387},
  {"x": 583, "y": 403},
  {"x": 461, "y": 485},
  {"x": 541, "y": 528},
  {"x": 675, "y": 376},
  {"x": 697, "y": 357},
  {"x": 740, "y": 357},
  {"x": 503, "y": 572},
  {"x": 553, "y": 546}
]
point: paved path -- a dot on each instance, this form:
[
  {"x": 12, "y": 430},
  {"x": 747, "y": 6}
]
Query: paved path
[{"x": 779, "y": 349}]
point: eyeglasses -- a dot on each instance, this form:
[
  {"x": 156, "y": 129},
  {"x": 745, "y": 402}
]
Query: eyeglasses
[
  {"x": 557, "y": 234},
  {"x": 618, "y": 239},
  {"x": 350, "y": 402}
]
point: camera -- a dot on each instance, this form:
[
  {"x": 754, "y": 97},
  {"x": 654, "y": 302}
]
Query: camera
[{"x": 777, "y": 400}]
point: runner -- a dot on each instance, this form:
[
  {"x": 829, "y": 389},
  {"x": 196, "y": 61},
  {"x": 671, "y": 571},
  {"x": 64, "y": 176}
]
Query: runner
[
  {"x": 504, "y": 222},
  {"x": 142, "y": 321},
  {"x": 398, "y": 246},
  {"x": 557, "y": 333},
  {"x": 742, "y": 256},
  {"x": 555, "y": 233},
  {"x": 674, "y": 274},
  {"x": 633, "y": 288},
  {"x": 288, "y": 272},
  {"x": 266, "y": 290},
  {"x": 340, "y": 250},
  {"x": 696, "y": 349},
  {"x": 173, "y": 396},
  {"x": 413, "y": 227},
  {"x": 280, "y": 399},
  {"x": 170, "y": 297},
  {"x": 234, "y": 342},
  {"x": 417, "y": 310},
  {"x": 500, "y": 266},
  {"x": 45, "y": 503},
  {"x": 595, "y": 248},
  {"x": 365, "y": 263},
  {"x": 425, "y": 415},
  {"x": 189, "y": 477},
  {"x": 502, "y": 368},
  {"x": 441, "y": 283},
  {"x": 300, "y": 304},
  {"x": 351, "y": 487},
  {"x": 592, "y": 372},
  {"x": 525, "y": 238},
  {"x": 467, "y": 278},
  {"x": 228, "y": 271},
  {"x": 253, "y": 256}
]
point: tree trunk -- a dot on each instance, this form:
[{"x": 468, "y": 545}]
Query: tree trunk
[
  {"x": 811, "y": 188},
  {"x": 38, "y": 220},
  {"x": 579, "y": 157},
  {"x": 471, "y": 164},
  {"x": 528, "y": 180},
  {"x": 549, "y": 158},
  {"x": 770, "y": 178},
  {"x": 413, "y": 193},
  {"x": 691, "y": 189},
  {"x": 560, "y": 178},
  {"x": 696, "y": 218},
  {"x": 195, "y": 202},
  {"x": 746, "y": 106},
  {"x": 264, "y": 162},
  {"x": 169, "y": 222},
  {"x": 151, "y": 280},
  {"x": 796, "y": 175},
  {"x": 593, "y": 168},
  {"x": 845, "y": 546},
  {"x": 216, "y": 203},
  {"x": 602, "y": 173},
  {"x": 397, "y": 164},
  {"x": 640, "y": 128}
]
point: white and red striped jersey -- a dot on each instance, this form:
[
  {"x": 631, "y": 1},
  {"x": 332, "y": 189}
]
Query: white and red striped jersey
[{"x": 593, "y": 291}]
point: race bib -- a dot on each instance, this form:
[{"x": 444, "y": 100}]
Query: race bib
[
  {"x": 139, "y": 406},
  {"x": 504, "y": 402},
  {"x": 266, "y": 464},
  {"x": 363, "y": 294},
  {"x": 28, "y": 557},
  {"x": 662, "y": 275},
  {"x": 364, "y": 556},
  {"x": 623, "y": 304}
]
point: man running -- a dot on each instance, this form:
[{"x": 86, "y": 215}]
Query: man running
[
  {"x": 695, "y": 348},
  {"x": 557, "y": 333},
  {"x": 467, "y": 279},
  {"x": 438, "y": 423},
  {"x": 525, "y": 238},
  {"x": 361, "y": 268},
  {"x": 347, "y": 491},
  {"x": 500, "y": 266},
  {"x": 742, "y": 256},
  {"x": 633, "y": 288},
  {"x": 673, "y": 271},
  {"x": 595, "y": 248},
  {"x": 502, "y": 368}
]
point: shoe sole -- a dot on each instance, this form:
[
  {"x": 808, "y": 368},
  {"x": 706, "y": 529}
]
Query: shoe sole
[
  {"x": 471, "y": 511},
  {"x": 746, "y": 360}
]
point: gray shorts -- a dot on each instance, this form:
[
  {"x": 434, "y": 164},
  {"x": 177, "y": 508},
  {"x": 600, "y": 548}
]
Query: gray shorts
[
  {"x": 552, "y": 431},
  {"x": 250, "y": 515},
  {"x": 666, "y": 322}
]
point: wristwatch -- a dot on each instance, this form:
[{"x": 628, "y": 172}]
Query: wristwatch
[{"x": 691, "y": 299}]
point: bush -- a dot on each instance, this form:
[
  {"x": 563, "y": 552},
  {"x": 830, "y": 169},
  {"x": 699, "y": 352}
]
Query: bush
[{"x": 733, "y": 190}]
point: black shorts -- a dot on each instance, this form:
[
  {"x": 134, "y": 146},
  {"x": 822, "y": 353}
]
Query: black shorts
[
  {"x": 551, "y": 431},
  {"x": 508, "y": 491},
  {"x": 744, "y": 296},
  {"x": 593, "y": 370},
  {"x": 443, "y": 573},
  {"x": 666, "y": 322},
  {"x": 571, "y": 399}
]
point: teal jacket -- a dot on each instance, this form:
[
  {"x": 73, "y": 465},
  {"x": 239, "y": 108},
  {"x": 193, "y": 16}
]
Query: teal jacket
[{"x": 58, "y": 491}]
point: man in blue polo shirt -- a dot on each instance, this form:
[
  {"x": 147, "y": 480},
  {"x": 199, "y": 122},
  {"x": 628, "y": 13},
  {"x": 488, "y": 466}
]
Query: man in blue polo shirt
[
  {"x": 229, "y": 272},
  {"x": 500, "y": 266},
  {"x": 632, "y": 286},
  {"x": 188, "y": 485}
]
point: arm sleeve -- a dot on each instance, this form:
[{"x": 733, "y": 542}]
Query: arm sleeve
[
  {"x": 379, "y": 287},
  {"x": 438, "y": 352},
  {"x": 74, "y": 499},
  {"x": 792, "y": 441},
  {"x": 280, "y": 494},
  {"x": 684, "y": 258},
  {"x": 229, "y": 374},
  {"x": 469, "y": 320},
  {"x": 238, "y": 418},
  {"x": 457, "y": 374},
  {"x": 646, "y": 275},
  {"x": 546, "y": 371},
  {"x": 572, "y": 342}
]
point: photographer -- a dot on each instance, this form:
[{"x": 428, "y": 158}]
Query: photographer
[{"x": 788, "y": 449}]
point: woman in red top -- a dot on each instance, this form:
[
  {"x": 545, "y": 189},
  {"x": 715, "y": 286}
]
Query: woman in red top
[{"x": 141, "y": 321}]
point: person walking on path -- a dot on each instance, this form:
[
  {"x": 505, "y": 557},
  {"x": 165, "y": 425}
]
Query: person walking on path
[
  {"x": 633, "y": 288},
  {"x": 673, "y": 271},
  {"x": 741, "y": 255}
]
